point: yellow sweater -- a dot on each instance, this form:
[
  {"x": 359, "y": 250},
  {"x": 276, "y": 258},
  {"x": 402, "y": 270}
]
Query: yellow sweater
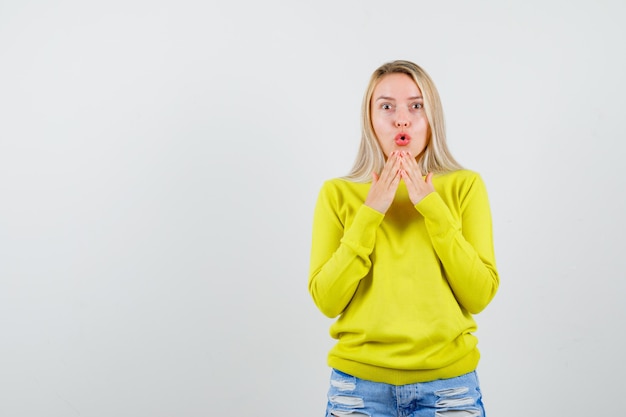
[{"x": 404, "y": 284}]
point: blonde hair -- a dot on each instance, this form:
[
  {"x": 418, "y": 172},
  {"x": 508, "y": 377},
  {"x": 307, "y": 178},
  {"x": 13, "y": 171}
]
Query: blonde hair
[{"x": 436, "y": 157}]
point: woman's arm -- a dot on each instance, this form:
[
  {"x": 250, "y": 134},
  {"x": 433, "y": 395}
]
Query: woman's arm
[
  {"x": 464, "y": 248},
  {"x": 339, "y": 256}
]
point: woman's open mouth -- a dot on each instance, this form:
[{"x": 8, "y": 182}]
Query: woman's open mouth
[{"x": 402, "y": 139}]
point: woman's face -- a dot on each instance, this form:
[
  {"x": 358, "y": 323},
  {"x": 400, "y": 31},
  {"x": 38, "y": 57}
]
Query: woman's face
[{"x": 398, "y": 117}]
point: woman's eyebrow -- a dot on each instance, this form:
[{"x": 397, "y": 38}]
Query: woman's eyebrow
[{"x": 393, "y": 99}]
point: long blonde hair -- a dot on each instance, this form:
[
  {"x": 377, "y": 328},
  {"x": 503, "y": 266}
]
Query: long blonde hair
[{"x": 436, "y": 157}]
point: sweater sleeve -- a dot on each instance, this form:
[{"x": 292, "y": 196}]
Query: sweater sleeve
[
  {"x": 340, "y": 257},
  {"x": 465, "y": 248}
]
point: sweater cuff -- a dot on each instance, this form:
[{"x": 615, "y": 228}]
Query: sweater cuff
[
  {"x": 361, "y": 234},
  {"x": 436, "y": 213}
]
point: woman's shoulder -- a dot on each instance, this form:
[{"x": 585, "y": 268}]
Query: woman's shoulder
[
  {"x": 344, "y": 183},
  {"x": 460, "y": 176},
  {"x": 343, "y": 189},
  {"x": 462, "y": 180}
]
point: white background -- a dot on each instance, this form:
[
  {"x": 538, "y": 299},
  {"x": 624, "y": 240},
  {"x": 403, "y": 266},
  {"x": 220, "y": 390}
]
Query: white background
[{"x": 159, "y": 163}]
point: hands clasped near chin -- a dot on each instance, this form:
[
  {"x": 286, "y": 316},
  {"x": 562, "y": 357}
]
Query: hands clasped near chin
[{"x": 400, "y": 165}]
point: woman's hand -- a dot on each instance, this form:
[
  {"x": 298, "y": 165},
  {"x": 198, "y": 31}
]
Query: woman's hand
[
  {"x": 384, "y": 186},
  {"x": 410, "y": 172}
]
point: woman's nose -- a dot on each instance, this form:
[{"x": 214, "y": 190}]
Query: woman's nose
[
  {"x": 402, "y": 121},
  {"x": 402, "y": 118}
]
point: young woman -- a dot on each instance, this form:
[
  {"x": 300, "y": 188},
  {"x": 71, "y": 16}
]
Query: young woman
[{"x": 402, "y": 253}]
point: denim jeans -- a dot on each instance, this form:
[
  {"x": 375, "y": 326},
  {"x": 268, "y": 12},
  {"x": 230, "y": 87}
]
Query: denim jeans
[{"x": 349, "y": 396}]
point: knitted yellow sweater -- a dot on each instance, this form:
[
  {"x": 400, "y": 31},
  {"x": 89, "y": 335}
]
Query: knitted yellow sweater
[{"x": 404, "y": 284}]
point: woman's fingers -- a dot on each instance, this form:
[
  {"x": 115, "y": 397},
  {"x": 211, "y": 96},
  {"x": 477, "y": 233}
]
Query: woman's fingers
[
  {"x": 384, "y": 186},
  {"x": 417, "y": 186},
  {"x": 400, "y": 165},
  {"x": 391, "y": 168},
  {"x": 410, "y": 164},
  {"x": 429, "y": 179}
]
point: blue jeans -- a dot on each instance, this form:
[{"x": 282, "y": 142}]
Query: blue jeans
[{"x": 350, "y": 396}]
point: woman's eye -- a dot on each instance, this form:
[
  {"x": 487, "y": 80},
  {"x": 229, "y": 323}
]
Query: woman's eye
[
  {"x": 417, "y": 106},
  {"x": 386, "y": 107}
]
